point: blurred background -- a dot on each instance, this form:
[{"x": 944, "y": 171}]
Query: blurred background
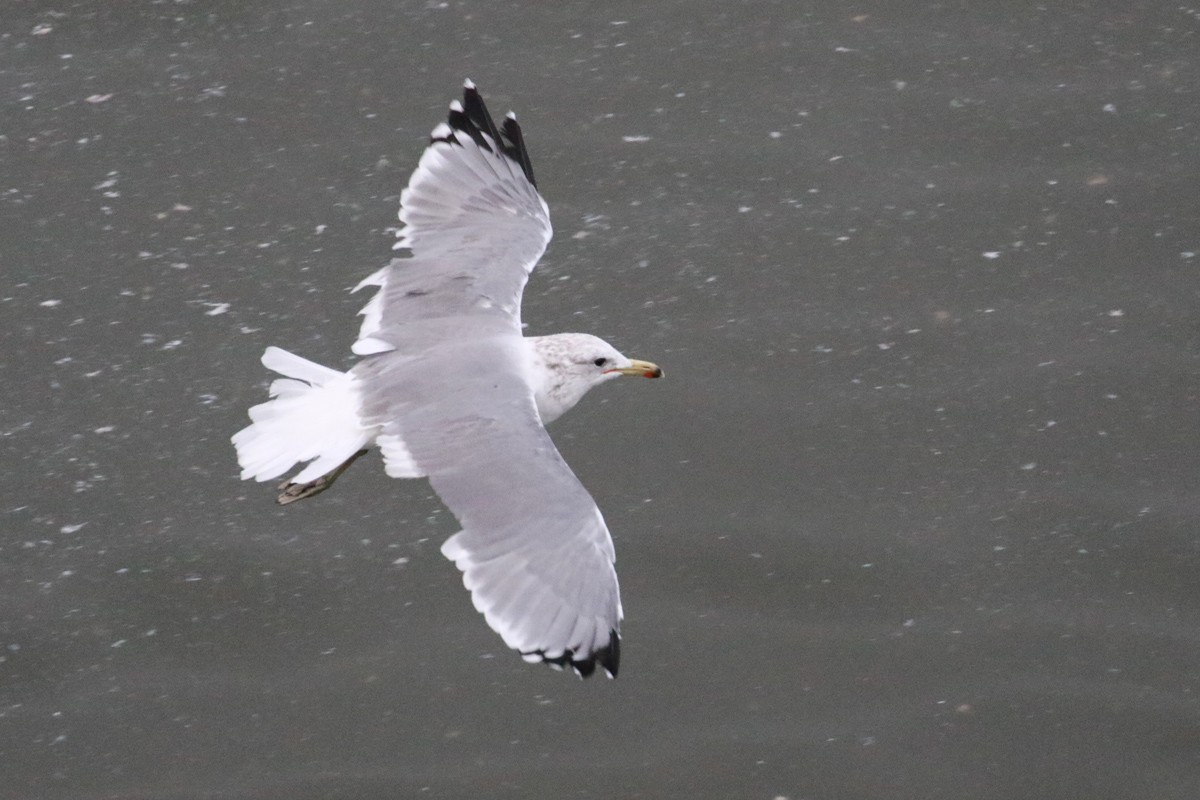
[{"x": 914, "y": 514}]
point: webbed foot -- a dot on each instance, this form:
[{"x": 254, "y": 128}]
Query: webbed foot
[{"x": 291, "y": 492}]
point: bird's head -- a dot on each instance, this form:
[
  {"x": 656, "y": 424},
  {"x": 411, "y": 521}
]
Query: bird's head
[{"x": 567, "y": 365}]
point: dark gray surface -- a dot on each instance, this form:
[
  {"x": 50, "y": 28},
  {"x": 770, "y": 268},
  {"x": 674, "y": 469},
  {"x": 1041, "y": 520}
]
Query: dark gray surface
[{"x": 904, "y": 521}]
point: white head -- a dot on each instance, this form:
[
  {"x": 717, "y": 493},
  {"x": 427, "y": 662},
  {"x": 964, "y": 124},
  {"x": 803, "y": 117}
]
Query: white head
[{"x": 566, "y": 365}]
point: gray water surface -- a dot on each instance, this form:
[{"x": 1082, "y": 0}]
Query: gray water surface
[{"x": 914, "y": 514}]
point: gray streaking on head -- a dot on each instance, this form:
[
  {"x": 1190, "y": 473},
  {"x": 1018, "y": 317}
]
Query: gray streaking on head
[{"x": 449, "y": 389}]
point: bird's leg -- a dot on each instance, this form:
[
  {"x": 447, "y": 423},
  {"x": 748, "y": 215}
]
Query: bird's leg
[{"x": 291, "y": 492}]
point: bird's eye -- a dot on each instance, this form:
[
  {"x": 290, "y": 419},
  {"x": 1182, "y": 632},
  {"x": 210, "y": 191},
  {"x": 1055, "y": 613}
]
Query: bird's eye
[{"x": 600, "y": 362}]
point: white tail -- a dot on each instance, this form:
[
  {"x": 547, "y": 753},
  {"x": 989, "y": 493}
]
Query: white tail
[{"x": 312, "y": 416}]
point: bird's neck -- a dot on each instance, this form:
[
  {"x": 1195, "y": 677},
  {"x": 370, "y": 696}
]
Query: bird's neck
[{"x": 553, "y": 390}]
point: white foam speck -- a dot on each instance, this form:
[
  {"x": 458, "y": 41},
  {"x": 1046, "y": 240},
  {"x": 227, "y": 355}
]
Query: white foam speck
[
  {"x": 635, "y": 139},
  {"x": 49, "y": 303},
  {"x": 216, "y": 309},
  {"x": 71, "y": 528},
  {"x": 992, "y": 254}
]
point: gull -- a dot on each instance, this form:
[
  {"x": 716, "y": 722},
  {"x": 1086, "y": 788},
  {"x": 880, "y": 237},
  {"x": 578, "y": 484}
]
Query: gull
[{"x": 450, "y": 389}]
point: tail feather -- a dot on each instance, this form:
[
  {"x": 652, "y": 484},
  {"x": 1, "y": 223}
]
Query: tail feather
[
  {"x": 279, "y": 360},
  {"x": 312, "y": 416}
]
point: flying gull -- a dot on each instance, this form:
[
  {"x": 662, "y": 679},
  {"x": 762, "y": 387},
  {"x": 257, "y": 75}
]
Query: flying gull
[{"x": 449, "y": 389}]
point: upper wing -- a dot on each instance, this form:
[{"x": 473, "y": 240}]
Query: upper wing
[
  {"x": 475, "y": 224},
  {"x": 534, "y": 550}
]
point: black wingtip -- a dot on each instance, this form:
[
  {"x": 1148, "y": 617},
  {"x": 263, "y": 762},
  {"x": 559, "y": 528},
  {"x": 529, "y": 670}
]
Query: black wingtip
[
  {"x": 472, "y": 118},
  {"x": 608, "y": 657},
  {"x": 512, "y": 132}
]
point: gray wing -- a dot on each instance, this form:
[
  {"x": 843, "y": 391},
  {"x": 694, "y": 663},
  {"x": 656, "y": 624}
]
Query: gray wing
[
  {"x": 534, "y": 550},
  {"x": 475, "y": 225},
  {"x": 447, "y": 383}
]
